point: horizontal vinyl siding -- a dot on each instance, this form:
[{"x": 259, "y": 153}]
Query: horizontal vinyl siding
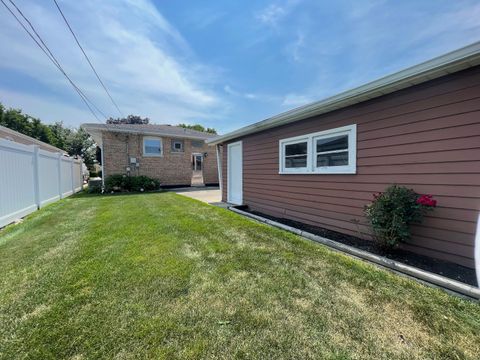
[{"x": 426, "y": 137}]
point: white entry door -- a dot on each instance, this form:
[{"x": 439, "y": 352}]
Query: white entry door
[{"x": 235, "y": 173}]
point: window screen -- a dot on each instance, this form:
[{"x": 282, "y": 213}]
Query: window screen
[{"x": 296, "y": 155}]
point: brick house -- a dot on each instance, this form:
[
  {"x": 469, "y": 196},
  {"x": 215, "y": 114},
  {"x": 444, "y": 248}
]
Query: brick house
[{"x": 174, "y": 155}]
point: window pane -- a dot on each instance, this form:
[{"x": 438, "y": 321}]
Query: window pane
[
  {"x": 333, "y": 159},
  {"x": 177, "y": 145},
  {"x": 296, "y": 161},
  {"x": 332, "y": 143},
  {"x": 152, "y": 146},
  {"x": 296, "y": 149}
]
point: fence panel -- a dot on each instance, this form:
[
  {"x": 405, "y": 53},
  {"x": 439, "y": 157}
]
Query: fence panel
[
  {"x": 31, "y": 178},
  {"x": 77, "y": 175},
  {"x": 48, "y": 177},
  {"x": 17, "y": 182},
  {"x": 66, "y": 177}
]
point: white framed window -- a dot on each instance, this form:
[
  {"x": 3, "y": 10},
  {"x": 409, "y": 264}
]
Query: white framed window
[
  {"x": 177, "y": 145},
  {"x": 152, "y": 146},
  {"x": 332, "y": 151}
]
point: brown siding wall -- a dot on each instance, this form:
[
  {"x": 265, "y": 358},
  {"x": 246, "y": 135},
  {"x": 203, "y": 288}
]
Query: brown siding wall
[
  {"x": 426, "y": 137},
  {"x": 171, "y": 169}
]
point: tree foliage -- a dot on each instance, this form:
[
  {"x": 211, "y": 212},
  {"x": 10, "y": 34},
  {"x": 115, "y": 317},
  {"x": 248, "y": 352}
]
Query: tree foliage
[
  {"x": 76, "y": 142},
  {"x": 198, "y": 127},
  {"x": 130, "y": 119}
]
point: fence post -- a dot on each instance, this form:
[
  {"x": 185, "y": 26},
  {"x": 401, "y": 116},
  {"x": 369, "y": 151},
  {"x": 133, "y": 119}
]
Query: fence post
[
  {"x": 60, "y": 175},
  {"x": 36, "y": 175}
]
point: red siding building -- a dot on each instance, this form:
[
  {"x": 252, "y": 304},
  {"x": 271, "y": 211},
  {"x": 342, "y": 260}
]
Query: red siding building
[{"x": 320, "y": 164}]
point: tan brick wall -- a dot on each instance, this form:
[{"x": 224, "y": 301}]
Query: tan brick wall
[{"x": 171, "y": 169}]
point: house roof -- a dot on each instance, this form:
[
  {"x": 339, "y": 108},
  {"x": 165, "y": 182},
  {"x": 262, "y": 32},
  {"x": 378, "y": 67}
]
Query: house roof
[
  {"x": 13, "y": 135},
  {"x": 451, "y": 62},
  {"x": 95, "y": 131}
]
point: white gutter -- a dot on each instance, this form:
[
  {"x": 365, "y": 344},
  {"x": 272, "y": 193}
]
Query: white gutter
[
  {"x": 219, "y": 168},
  {"x": 89, "y": 128},
  {"x": 103, "y": 166},
  {"x": 451, "y": 62}
]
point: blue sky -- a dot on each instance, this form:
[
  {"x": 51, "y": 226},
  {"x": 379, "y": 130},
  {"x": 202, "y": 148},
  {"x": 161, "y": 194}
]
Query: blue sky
[{"x": 224, "y": 64}]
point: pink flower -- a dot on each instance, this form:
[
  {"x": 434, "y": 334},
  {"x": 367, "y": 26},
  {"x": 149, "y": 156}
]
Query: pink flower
[
  {"x": 427, "y": 200},
  {"x": 377, "y": 195}
]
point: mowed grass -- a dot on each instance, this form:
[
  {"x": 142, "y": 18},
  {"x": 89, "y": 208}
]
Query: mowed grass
[{"x": 164, "y": 276}]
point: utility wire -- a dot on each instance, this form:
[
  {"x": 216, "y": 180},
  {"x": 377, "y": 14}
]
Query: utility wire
[
  {"x": 52, "y": 58},
  {"x": 86, "y": 57}
]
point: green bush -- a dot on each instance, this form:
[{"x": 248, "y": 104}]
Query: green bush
[
  {"x": 94, "y": 174},
  {"x": 392, "y": 212},
  {"x": 131, "y": 183}
]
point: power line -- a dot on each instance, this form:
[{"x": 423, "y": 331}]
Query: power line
[
  {"x": 86, "y": 57},
  {"x": 52, "y": 58}
]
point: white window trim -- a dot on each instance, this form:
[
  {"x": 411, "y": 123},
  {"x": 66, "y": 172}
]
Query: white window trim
[
  {"x": 311, "y": 168},
  {"x": 145, "y": 154},
  {"x": 182, "y": 146}
]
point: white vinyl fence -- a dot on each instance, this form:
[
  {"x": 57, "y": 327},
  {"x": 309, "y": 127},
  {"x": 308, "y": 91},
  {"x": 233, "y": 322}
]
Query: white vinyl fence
[{"x": 31, "y": 178}]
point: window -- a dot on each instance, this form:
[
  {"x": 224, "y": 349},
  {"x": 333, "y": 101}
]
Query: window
[
  {"x": 326, "y": 152},
  {"x": 296, "y": 154},
  {"x": 197, "y": 143},
  {"x": 177, "y": 145},
  {"x": 152, "y": 146}
]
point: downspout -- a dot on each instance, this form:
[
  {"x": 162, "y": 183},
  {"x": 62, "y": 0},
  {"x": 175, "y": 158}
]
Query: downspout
[
  {"x": 102, "y": 157},
  {"x": 219, "y": 167},
  {"x": 477, "y": 251}
]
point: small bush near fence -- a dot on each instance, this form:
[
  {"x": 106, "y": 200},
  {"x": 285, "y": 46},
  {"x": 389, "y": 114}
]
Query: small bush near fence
[
  {"x": 118, "y": 183},
  {"x": 95, "y": 174},
  {"x": 392, "y": 212}
]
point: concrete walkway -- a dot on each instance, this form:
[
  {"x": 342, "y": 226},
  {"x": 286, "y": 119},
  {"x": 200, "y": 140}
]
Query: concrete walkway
[{"x": 209, "y": 195}]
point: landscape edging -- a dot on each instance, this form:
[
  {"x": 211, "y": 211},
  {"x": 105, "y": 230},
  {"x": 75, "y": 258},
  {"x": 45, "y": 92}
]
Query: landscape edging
[{"x": 426, "y": 276}]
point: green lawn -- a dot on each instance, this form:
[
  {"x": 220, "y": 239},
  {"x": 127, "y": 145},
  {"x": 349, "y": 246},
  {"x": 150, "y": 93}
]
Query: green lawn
[{"x": 164, "y": 276}]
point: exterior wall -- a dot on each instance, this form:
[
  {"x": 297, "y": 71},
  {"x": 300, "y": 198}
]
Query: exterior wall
[
  {"x": 426, "y": 137},
  {"x": 171, "y": 169}
]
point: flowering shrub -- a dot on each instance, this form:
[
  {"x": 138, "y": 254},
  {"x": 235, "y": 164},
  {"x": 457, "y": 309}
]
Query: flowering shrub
[
  {"x": 427, "y": 200},
  {"x": 392, "y": 212},
  {"x": 130, "y": 183}
]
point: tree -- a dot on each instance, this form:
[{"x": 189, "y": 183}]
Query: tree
[
  {"x": 130, "y": 119},
  {"x": 74, "y": 142},
  {"x": 15, "y": 120},
  {"x": 198, "y": 127},
  {"x": 60, "y": 133},
  {"x": 79, "y": 143}
]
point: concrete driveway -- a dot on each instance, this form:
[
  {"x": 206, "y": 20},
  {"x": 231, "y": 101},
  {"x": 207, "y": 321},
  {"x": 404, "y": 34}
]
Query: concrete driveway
[{"x": 209, "y": 195}]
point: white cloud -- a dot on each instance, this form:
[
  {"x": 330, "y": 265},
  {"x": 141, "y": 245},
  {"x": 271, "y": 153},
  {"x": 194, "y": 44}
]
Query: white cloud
[
  {"x": 271, "y": 14},
  {"x": 145, "y": 62},
  {"x": 294, "y": 100},
  {"x": 251, "y": 96},
  {"x": 274, "y": 13},
  {"x": 294, "y": 49},
  {"x": 45, "y": 107}
]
